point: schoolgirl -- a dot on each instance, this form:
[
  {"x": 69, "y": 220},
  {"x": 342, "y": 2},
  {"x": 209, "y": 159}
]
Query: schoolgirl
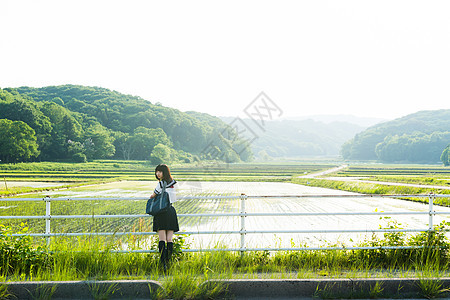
[{"x": 165, "y": 224}]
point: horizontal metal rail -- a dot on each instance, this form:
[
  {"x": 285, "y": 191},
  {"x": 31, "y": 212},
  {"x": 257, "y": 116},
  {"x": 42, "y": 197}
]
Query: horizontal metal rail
[
  {"x": 242, "y": 214},
  {"x": 113, "y": 198},
  {"x": 218, "y": 197},
  {"x": 353, "y": 196},
  {"x": 49, "y": 217},
  {"x": 221, "y": 232}
]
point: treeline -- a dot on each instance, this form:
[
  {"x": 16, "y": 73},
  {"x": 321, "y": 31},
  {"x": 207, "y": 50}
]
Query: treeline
[
  {"x": 78, "y": 123},
  {"x": 418, "y": 138}
]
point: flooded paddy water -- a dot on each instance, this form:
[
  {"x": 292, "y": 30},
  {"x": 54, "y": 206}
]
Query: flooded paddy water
[{"x": 253, "y": 205}]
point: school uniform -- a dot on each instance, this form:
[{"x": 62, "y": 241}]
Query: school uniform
[{"x": 167, "y": 220}]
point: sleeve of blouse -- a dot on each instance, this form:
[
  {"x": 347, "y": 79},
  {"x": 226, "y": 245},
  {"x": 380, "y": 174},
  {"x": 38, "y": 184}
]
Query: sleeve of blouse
[{"x": 158, "y": 188}]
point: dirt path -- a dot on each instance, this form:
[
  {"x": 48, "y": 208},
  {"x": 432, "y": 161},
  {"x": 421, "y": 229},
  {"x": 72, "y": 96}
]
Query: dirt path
[{"x": 329, "y": 171}]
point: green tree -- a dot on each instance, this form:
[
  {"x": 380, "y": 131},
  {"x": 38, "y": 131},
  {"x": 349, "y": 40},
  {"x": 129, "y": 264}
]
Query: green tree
[
  {"x": 161, "y": 154},
  {"x": 20, "y": 109},
  {"x": 416, "y": 147},
  {"x": 76, "y": 151},
  {"x": 58, "y": 101},
  {"x": 124, "y": 148},
  {"x": 64, "y": 128},
  {"x": 17, "y": 108},
  {"x": 98, "y": 142},
  {"x": 17, "y": 141},
  {"x": 445, "y": 156},
  {"x": 392, "y": 149},
  {"x": 145, "y": 139}
]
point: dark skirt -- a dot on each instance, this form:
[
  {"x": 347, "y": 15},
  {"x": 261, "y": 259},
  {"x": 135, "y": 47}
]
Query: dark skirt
[{"x": 166, "y": 221}]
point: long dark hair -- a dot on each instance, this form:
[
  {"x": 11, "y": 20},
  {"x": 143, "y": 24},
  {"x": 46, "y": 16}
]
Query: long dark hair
[{"x": 167, "y": 177}]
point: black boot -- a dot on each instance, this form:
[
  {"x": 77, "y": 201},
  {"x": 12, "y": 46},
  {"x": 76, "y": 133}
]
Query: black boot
[
  {"x": 169, "y": 251},
  {"x": 163, "y": 255}
]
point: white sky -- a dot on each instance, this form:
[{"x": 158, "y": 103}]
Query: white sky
[{"x": 367, "y": 58}]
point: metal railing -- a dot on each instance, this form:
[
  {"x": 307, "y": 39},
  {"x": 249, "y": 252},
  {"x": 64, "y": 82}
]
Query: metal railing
[{"x": 242, "y": 215}]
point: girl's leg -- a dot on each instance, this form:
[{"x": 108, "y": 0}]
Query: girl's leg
[
  {"x": 162, "y": 248},
  {"x": 162, "y": 235},
  {"x": 169, "y": 235}
]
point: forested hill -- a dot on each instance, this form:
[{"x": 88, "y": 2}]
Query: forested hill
[
  {"x": 79, "y": 122},
  {"x": 420, "y": 137}
]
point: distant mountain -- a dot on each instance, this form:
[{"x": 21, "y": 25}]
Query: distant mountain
[
  {"x": 298, "y": 138},
  {"x": 360, "y": 121},
  {"x": 420, "y": 137}
]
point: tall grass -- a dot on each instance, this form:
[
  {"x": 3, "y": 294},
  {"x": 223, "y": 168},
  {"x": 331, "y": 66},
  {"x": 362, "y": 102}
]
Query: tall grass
[
  {"x": 189, "y": 274},
  {"x": 90, "y": 258}
]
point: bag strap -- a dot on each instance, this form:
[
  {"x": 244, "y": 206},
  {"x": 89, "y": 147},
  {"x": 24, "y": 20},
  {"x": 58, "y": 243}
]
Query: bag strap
[{"x": 163, "y": 186}]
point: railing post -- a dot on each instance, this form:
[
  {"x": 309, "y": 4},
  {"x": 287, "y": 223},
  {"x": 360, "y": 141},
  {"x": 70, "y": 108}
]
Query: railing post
[
  {"x": 242, "y": 212},
  {"x": 430, "y": 211},
  {"x": 47, "y": 221}
]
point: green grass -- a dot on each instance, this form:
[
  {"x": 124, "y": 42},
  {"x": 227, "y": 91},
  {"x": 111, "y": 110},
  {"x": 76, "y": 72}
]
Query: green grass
[
  {"x": 4, "y": 294},
  {"x": 90, "y": 258},
  {"x": 43, "y": 292},
  {"x": 419, "y": 179}
]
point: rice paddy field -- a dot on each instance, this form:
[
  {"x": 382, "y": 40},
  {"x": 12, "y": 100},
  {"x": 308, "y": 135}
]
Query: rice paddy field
[
  {"x": 118, "y": 179},
  {"x": 40, "y": 177},
  {"x": 112, "y": 179}
]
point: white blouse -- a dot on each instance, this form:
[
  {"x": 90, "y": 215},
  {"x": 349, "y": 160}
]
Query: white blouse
[{"x": 171, "y": 190}]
